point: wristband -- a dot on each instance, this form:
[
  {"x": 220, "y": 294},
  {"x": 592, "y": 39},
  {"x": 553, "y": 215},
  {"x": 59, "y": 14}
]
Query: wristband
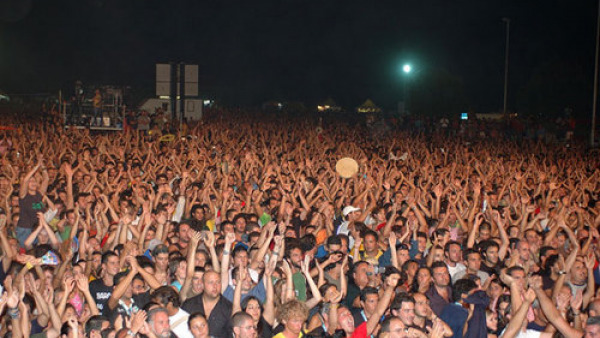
[
  {"x": 13, "y": 313},
  {"x": 225, "y": 252}
]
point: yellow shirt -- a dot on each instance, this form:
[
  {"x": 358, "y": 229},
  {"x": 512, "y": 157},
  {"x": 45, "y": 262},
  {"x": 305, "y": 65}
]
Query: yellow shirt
[
  {"x": 281, "y": 335},
  {"x": 211, "y": 224},
  {"x": 373, "y": 260}
]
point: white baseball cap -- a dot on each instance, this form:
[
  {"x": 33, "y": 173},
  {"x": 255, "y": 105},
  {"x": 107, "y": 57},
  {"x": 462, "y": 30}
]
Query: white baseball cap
[{"x": 349, "y": 209}]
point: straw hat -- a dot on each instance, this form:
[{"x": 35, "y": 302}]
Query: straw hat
[{"x": 346, "y": 167}]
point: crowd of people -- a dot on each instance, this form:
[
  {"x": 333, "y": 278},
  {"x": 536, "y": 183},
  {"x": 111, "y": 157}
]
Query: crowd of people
[{"x": 241, "y": 227}]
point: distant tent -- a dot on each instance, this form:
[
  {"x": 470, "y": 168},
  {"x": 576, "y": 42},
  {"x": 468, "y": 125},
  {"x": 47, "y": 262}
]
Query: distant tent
[
  {"x": 272, "y": 106},
  {"x": 368, "y": 107},
  {"x": 328, "y": 105},
  {"x": 4, "y": 96}
]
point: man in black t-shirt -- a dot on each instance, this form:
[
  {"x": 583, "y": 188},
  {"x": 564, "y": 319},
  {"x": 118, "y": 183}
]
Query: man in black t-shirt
[
  {"x": 30, "y": 201},
  {"x": 122, "y": 301},
  {"x": 101, "y": 289},
  {"x": 219, "y": 317}
]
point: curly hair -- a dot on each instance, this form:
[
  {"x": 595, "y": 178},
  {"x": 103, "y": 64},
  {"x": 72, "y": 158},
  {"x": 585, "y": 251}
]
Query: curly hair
[{"x": 293, "y": 309}]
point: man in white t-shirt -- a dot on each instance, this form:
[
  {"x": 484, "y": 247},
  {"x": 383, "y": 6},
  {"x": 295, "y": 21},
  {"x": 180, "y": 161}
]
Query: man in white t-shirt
[
  {"x": 453, "y": 258},
  {"x": 351, "y": 214}
]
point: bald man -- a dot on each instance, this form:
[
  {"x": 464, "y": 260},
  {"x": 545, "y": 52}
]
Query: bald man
[{"x": 212, "y": 305}]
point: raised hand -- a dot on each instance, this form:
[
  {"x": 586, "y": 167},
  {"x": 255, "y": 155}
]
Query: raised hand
[
  {"x": 577, "y": 301},
  {"x": 137, "y": 321},
  {"x": 68, "y": 285},
  {"x": 195, "y": 237},
  {"x": 438, "y": 190},
  {"x": 83, "y": 284},
  {"x": 241, "y": 275},
  {"x": 229, "y": 239},
  {"x": 530, "y": 295},
  {"x": 209, "y": 239},
  {"x": 13, "y": 299},
  {"x": 590, "y": 261},
  {"x": 478, "y": 219},
  {"x": 304, "y": 265},
  {"x": 278, "y": 241},
  {"x": 287, "y": 270},
  {"x": 336, "y": 298},
  {"x": 562, "y": 300},
  {"x": 119, "y": 322},
  {"x": 68, "y": 170},
  {"x": 437, "y": 330},
  {"x": 344, "y": 263},
  {"x": 73, "y": 323}
]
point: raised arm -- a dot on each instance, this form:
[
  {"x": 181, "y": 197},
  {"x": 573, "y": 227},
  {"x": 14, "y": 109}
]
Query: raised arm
[
  {"x": 516, "y": 322},
  {"x": 69, "y": 177},
  {"x": 262, "y": 251},
  {"x": 148, "y": 277},
  {"x": 501, "y": 224},
  {"x": 382, "y": 306},
  {"x": 121, "y": 288},
  {"x": 229, "y": 239},
  {"x": 590, "y": 291},
  {"x": 551, "y": 312},
  {"x": 269, "y": 305},
  {"x": 393, "y": 252},
  {"x": 84, "y": 286},
  {"x": 242, "y": 274},
  {"x": 209, "y": 242},
  {"x": 25, "y": 183},
  {"x": 191, "y": 265},
  {"x": 316, "y": 295}
]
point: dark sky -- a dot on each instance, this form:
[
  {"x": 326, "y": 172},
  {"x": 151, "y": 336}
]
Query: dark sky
[{"x": 306, "y": 50}]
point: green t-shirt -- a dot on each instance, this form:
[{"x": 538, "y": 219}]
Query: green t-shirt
[
  {"x": 299, "y": 286},
  {"x": 64, "y": 235}
]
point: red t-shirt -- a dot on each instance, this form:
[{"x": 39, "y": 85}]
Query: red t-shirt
[{"x": 360, "y": 331}]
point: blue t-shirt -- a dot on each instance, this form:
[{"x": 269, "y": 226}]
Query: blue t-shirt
[
  {"x": 258, "y": 291},
  {"x": 455, "y": 316}
]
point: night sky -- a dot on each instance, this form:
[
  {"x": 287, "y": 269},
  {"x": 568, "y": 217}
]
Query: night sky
[{"x": 305, "y": 50}]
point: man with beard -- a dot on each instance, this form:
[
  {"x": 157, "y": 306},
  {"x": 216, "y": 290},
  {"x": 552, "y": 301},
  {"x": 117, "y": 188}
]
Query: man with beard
[
  {"x": 492, "y": 256},
  {"x": 168, "y": 298},
  {"x": 440, "y": 292},
  {"x": 453, "y": 258},
  {"x": 158, "y": 320}
]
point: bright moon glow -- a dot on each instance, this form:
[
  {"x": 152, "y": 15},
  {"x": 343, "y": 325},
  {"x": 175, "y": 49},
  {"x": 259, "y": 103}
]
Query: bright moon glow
[{"x": 406, "y": 68}]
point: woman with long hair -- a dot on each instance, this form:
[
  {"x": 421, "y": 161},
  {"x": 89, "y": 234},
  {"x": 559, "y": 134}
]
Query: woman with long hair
[{"x": 422, "y": 280}]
